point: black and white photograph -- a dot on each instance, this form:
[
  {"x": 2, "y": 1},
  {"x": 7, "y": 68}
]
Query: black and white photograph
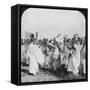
[
  {"x": 44, "y": 44},
  {"x": 53, "y": 45}
]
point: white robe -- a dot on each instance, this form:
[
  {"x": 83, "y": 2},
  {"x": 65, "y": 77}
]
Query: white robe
[
  {"x": 56, "y": 60},
  {"x": 39, "y": 54},
  {"x": 83, "y": 60},
  {"x": 56, "y": 53},
  {"x": 36, "y": 56},
  {"x": 64, "y": 57},
  {"x": 74, "y": 62}
]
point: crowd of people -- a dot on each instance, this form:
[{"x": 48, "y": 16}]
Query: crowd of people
[{"x": 53, "y": 53}]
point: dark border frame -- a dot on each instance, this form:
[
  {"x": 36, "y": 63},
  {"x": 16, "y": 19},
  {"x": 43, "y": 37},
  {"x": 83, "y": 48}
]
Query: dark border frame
[{"x": 19, "y": 9}]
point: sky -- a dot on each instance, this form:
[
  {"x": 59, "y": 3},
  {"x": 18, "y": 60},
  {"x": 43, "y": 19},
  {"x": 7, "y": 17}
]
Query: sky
[{"x": 50, "y": 22}]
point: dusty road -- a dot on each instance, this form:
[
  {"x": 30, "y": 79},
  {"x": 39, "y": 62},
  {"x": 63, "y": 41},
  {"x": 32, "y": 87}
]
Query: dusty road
[
  {"x": 41, "y": 76},
  {"x": 44, "y": 75}
]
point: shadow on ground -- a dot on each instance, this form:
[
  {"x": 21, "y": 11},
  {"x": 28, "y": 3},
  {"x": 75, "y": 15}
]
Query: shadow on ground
[{"x": 60, "y": 73}]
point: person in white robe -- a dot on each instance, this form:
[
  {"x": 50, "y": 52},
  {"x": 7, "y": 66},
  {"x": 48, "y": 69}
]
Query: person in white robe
[
  {"x": 64, "y": 56},
  {"x": 83, "y": 57},
  {"x": 33, "y": 64},
  {"x": 39, "y": 54},
  {"x": 49, "y": 60},
  {"x": 74, "y": 60},
  {"x": 36, "y": 57},
  {"x": 56, "y": 59},
  {"x": 83, "y": 61}
]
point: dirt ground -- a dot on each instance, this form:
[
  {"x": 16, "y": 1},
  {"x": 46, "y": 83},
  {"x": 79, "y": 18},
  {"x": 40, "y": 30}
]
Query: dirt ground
[{"x": 46, "y": 75}]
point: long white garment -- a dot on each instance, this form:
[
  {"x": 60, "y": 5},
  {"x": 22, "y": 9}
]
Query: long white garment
[
  {"x": 36, "y": 57},
  {"x": 56, "y": 58},
  {"x": 64, "y": 57},
  {"x": 33, "y": 64},
  {"x": 70, "y": 67},
  {"x": 83, "y": 59},
  {"x": 39, "y": 55},
  {"x": 56, "y": 53},
  {"x": 74, "y": 61}
]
